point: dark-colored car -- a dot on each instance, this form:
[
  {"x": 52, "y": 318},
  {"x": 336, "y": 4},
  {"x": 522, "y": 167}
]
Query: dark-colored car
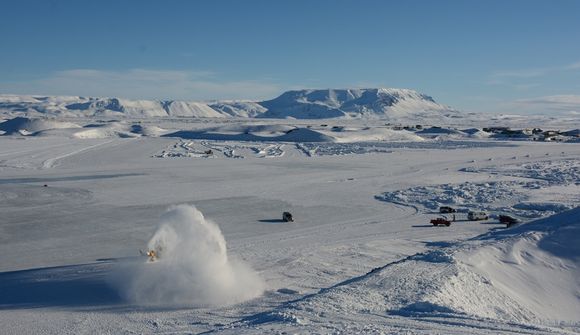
[
  {"x": 287, "y": 217},
  {"x": 440, "y": 221},
  {"x": 447, "y": 209},
  {"x": 508, "y": 220}
]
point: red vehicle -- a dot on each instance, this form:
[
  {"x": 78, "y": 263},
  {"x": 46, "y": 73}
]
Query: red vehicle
[{"x": 440, "y": 221}]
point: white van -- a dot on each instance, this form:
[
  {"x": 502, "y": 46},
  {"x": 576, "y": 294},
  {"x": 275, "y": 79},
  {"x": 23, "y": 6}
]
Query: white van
[{"x": 474, "y": 216}]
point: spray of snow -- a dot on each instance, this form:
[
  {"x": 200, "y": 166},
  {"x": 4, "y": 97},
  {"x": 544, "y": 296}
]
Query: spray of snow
[{"x": 193, "y": 268}]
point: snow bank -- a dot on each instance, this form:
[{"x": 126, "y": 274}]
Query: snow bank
[
  {"x": 118, "y": 129},
  {"x": 367, "y": 134},
  {"x": 256, "y": 133},
  {"x": 27, "y": 126},
  {"x": 532, "y": 276},
  {"x": 107, "y": 130},
  {"x": 193, "y": 268}
]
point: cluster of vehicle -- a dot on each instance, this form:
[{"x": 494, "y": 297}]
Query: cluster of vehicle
[{"x": 471, "y": 216}]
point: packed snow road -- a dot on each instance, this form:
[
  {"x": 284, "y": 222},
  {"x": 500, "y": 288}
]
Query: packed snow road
[{"x": 74, "y": 211}]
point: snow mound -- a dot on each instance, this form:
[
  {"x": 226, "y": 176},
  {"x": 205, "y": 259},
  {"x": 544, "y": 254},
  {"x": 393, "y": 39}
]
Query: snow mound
[
  {"x": 286, "y": 133},
  {"x": 532, "y": 274},
  {"x": 118, "y": 129},
  {"x": 150, "y": 131},
  {"x": 476, "y": 133},
  {"x": 43, "y": 127},
  {"x": 112, "y": 129},
  {"x": 368, "y": 134},
  {"x": 257, "y": 133},
  {"x": 193, "y": 268},
  {"x": 29, "y": 126}
]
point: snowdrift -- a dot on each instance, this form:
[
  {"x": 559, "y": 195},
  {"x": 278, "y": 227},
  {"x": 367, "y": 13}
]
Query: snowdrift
[
  {"x": 286, "y": 133},
  {"x": 255, "y": 133},
  {"x": 533, "y": 270},
  {"x": 118, "y": 129},
  {"x": 52, "y": 128},
  {"x": 28, "y": 126}
]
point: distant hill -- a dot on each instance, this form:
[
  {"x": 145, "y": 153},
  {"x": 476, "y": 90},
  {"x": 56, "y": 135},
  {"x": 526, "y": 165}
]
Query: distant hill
[{"x": 375, "y": 103}]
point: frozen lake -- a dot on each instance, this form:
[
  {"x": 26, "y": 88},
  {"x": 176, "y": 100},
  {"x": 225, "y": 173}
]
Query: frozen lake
[{"x": 75, "y": 210}]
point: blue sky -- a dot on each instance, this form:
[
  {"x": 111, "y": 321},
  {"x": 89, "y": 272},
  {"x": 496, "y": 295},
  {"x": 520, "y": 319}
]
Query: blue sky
[{"x": 491, "y": 56}]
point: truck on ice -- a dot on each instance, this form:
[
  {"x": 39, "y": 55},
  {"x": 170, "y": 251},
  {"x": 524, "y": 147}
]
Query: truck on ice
[
  {"x": 447, "y": 209},
  {"x": 477, "y": 215},
  {"x": 440, "y": 221},
  {"x": 508, "y": 220}
]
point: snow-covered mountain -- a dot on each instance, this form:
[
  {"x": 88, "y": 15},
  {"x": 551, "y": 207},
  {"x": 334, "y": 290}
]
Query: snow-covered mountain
[
  {"x": 382, "y": 103},
  {"x": 102, "y": 107},
  {"x": 385, "y": 103}
]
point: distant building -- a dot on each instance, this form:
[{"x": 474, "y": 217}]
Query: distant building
[
  {"x": 496, "y": 130},
  {"x": 571, "y": 133},
  {"x": 550, "y": 135}
]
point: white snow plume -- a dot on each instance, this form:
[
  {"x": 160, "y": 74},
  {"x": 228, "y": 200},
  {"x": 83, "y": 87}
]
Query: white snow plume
[{"x": 193, "y": 268}]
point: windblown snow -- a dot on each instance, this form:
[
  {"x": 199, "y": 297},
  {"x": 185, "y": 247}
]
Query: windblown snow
[{"x": 191, "y": 268}]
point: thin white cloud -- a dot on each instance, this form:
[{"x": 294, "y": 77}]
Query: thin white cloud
[
  {"x": 524, "y": 73},
  {"x": 574, "y": 66},
  {"x": 507, "y": 77},
  {"x": 145, "y": 84},
  {"x": 558, "y": 103}
]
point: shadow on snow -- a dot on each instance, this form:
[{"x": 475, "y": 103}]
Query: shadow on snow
[{"x": 64, "y": 286}]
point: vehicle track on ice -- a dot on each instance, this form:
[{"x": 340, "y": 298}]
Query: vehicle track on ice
[{"x": 49, "y": 163}]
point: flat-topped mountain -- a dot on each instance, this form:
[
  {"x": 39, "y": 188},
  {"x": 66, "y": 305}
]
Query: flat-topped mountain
[{"x": 354, "y": 103}]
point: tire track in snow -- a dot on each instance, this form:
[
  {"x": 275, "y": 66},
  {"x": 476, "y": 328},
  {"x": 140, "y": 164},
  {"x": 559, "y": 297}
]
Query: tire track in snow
[{"x": 49, "y": 163}]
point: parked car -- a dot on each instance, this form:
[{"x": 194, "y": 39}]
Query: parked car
[
  {"x": 287, "y": 217},
  {"x": 447, "y": 209},
  {"x": 508, "y": 220},
  {"x": 475, "y": 216},
  {"x": 440, "y": 221}
]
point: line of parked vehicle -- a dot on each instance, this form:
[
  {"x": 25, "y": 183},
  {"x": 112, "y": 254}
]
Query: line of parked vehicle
[{"x": 471, "y": 216}]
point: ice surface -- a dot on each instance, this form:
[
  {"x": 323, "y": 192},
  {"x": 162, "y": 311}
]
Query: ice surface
[{"x": 349, "y": 263}]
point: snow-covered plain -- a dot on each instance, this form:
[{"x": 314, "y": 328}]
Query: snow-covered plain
[{"x": 81, "y": 198}]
